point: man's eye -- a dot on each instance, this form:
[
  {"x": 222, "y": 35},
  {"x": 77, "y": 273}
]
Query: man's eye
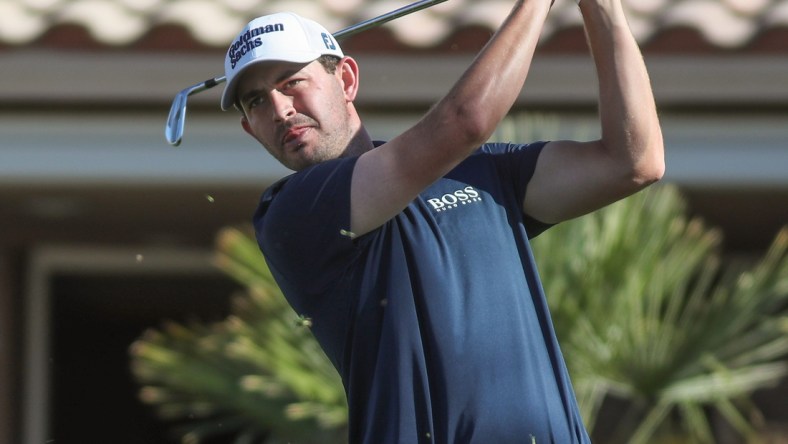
[
  {"x": 292, "y": 83},
  {"x": 255, "y": 101}
]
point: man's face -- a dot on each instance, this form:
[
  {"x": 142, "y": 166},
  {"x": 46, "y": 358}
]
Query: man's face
[{"x": 298, "y": 112}]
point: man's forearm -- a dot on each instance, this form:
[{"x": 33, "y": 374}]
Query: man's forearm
[
  {"x": 492, "y": 83},
  {"x": 630, "y": 126}
]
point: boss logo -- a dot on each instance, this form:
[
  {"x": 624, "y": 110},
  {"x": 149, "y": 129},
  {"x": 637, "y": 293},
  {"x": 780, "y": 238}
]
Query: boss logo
[{"x": 452, "y": 200}]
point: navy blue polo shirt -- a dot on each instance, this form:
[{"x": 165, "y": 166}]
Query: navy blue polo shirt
[{"x": 436, "y": 321}]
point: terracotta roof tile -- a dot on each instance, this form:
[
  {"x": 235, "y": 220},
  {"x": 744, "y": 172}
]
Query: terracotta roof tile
[
  {"x": 721, "y": 24},
  {"x": 718, "y": 23},
  {"x": 777, "y": 15}
]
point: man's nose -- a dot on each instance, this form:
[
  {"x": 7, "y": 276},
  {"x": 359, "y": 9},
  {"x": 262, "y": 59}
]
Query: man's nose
[{"x": 282, "y": 106}]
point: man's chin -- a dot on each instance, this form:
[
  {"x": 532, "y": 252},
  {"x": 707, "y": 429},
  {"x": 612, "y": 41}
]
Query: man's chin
[
  {"x": 299, "y": 162},
  {"x": 304, "y": 155}
]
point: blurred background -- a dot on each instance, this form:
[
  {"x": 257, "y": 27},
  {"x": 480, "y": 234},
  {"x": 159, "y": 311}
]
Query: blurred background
[{"x": 105, "y": 229}]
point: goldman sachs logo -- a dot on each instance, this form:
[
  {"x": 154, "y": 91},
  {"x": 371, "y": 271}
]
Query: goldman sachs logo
[
  {"x": 449, "y": 201},
  {"x": 250, "y": 40}
]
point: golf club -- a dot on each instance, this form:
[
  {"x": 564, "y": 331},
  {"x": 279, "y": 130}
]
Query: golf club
[{"x": 173, "y": 130}]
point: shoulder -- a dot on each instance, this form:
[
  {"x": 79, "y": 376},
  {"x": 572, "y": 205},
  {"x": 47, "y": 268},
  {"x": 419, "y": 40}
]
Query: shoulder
[
  {"x": 306, "y": 208},
  {"x": 504, "y": 158},
  {"x": 274, "y": 189},
  {"x": 314, "y": 183}
]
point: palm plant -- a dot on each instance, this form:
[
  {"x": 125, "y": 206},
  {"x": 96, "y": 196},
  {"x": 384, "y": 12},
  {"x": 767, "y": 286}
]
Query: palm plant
[
  {"x": 646, "y": 312},
  {"x": 259, "y": 375}
]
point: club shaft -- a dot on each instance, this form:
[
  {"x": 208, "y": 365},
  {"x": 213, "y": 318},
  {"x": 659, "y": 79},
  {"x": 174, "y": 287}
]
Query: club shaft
[
  {"x": 387, "y": 17},
  {"x": 339, "y": 35}
]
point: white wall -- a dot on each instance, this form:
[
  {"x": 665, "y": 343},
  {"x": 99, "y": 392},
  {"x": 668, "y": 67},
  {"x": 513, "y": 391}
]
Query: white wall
[{"x": 706, "y": 150}]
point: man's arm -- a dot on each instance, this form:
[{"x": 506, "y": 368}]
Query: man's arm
[
  {"x": 387, "y": 178},
  {"x": 573, "y": 178}
]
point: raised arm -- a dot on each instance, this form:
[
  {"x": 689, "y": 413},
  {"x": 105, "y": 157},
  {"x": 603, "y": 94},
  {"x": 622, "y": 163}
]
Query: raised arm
[
  {"x": 573, "y": 178},
  {"x": 387, "y": 178}
]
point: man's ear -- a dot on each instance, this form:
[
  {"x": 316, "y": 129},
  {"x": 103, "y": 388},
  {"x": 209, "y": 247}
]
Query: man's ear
[
  {"x": 347, "y": 70},
  {"x": 247, "y": 127}
]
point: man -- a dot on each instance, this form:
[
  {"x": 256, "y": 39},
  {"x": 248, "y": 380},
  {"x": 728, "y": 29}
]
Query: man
[{"x": 411, "y": 257}]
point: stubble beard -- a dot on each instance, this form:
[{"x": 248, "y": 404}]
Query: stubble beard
[{"x": 329, "y": 145}]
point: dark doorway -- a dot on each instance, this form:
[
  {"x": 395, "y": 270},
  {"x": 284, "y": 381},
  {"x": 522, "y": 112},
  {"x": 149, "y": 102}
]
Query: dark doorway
[{"x": 94, "y": 321}]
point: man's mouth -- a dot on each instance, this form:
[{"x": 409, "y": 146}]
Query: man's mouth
[{"x": 294, "y": 135}]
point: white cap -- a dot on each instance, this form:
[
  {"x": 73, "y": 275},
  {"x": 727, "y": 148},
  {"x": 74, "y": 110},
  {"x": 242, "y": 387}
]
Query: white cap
[{"x": 282, "y": 36}]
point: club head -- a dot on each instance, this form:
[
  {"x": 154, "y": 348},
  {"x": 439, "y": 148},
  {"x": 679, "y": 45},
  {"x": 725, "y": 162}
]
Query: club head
[{"x": 173, "y": 131}]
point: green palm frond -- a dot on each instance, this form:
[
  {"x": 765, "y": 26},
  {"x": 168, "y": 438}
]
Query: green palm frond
[
  {"x": 646, "y": 311},
  {"x": 259, "y": 374}
]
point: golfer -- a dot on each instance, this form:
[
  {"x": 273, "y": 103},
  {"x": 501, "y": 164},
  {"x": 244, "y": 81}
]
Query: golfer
[{"x": 411, "y": 256}]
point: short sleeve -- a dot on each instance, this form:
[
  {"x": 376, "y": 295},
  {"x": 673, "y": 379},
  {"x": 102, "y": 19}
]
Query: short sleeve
[{"x": 516, "y": 164}]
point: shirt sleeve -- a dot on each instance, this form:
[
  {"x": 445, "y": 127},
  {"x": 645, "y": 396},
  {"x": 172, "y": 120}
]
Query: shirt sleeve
[
  {"x": 516, "y": 164},
  {"x": 302, "y": 226}
]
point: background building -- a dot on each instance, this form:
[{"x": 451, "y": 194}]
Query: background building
[{"x": 105, "y": 229}]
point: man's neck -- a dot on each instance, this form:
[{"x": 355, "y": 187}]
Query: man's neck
[{"x": 359, "y": 144}]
